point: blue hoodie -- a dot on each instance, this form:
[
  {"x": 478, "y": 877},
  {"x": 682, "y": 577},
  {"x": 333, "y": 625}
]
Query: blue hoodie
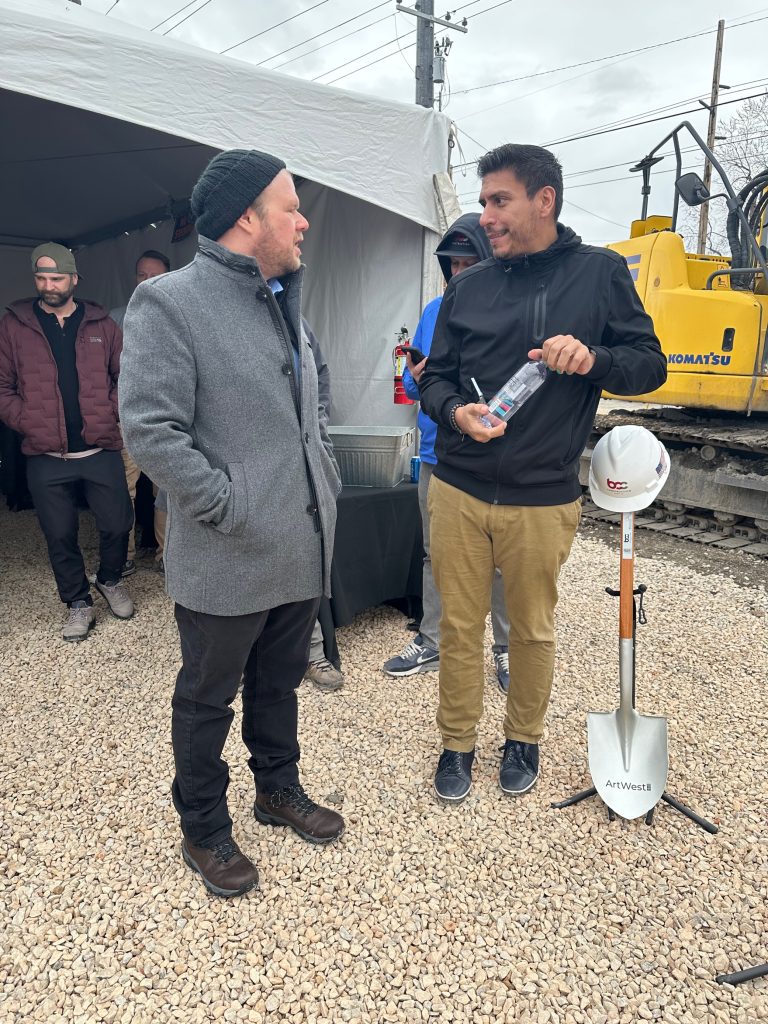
[{"x": 468, "y": 224}]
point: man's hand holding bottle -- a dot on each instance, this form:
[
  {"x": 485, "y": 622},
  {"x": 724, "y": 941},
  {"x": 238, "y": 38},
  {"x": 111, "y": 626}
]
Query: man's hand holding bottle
[
  {"x": 564, "y": 354},
  {"x": 469, "y": 420}
]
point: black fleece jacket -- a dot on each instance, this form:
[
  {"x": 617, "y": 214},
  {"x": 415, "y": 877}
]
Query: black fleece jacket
[{"x": 491, "y": 316}]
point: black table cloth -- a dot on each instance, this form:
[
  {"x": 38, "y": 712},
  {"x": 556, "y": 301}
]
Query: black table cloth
[{"x": 377, "y": 557}]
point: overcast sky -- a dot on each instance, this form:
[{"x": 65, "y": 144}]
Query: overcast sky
[{"x": 518, "y": 40}]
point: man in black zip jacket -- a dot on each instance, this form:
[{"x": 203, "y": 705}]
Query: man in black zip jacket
[{"x": 509, "y": 495}]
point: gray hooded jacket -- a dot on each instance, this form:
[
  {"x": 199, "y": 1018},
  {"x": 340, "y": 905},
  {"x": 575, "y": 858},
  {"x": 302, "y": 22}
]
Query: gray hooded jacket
[{"x": 211, "y": 409}]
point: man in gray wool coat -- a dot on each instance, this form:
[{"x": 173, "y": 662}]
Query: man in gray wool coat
[{"x": 219, "y": 406}]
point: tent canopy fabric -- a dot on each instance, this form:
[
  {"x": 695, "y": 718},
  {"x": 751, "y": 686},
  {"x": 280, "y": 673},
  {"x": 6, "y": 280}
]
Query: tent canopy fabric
[
  {"x": 106, "y": 128},
  {"x": 199, "y": 102},
  {"x": 80, "y": 177}
]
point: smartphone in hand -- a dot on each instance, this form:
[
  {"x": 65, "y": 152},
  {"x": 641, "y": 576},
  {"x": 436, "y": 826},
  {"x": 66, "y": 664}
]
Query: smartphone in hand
[{"x": 416, "y": 354}]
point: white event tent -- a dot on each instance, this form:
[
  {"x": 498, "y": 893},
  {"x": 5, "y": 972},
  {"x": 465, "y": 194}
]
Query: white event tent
[{"x": 106, "y": 127}]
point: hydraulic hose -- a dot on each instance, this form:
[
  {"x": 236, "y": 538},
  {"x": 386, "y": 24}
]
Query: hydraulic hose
[{"x": 752, "y": 199}]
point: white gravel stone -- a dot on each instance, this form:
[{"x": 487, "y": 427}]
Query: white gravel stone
[{"x": 496, "y": 911}]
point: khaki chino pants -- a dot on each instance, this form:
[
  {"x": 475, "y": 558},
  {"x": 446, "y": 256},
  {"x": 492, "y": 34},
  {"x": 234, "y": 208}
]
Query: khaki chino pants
[{"x": 529, "y": 544}]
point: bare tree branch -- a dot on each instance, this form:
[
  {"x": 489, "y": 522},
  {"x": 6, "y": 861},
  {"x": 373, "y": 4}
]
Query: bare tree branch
[{"x": 743, "y": 152}]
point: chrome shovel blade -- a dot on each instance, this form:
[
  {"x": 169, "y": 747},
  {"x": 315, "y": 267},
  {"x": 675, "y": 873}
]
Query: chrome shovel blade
[{"x": 628, "y": 759}]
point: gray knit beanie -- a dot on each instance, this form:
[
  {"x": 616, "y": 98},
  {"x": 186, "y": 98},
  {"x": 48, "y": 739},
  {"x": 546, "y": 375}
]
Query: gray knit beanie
[{"x": 228, "y": 186}]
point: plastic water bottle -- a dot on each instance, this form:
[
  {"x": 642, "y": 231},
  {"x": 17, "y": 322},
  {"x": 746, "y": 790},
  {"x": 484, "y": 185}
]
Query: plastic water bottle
[{"x": 516, "y": 392}]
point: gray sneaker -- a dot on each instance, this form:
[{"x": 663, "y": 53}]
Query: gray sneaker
[
  {"x": 501, "y": 661},
  {"x": 117, "y": 598},
  {"x": 324, "y": 675},
  {"x": 80, "y": 622}
]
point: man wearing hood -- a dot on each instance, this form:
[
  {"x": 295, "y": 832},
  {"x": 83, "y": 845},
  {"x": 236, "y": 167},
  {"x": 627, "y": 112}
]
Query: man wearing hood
[
  {"x": 509, "y": 495},
  {"x": 463, "y": 245}
]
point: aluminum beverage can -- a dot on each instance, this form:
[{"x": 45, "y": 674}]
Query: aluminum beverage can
[{"x": 415, "y": 466}]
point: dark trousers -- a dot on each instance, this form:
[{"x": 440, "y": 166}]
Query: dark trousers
[
  {"x": 269, "y": 652},
  {"x": 52, "y": 484}
]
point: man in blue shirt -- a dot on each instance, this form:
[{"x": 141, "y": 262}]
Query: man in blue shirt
[{"x": 462, "y": 246}]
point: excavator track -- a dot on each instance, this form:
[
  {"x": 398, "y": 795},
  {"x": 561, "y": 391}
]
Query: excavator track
[{"x": 717, "y": 492}]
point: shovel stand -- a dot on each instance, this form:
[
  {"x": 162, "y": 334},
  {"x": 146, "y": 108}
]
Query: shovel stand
[
  {"x": 585, "y": 794},
  {"x": 741, "y": 976},
  {"x": 666, "y": 797}
]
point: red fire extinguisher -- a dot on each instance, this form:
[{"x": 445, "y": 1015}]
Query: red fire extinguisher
[{"x": 398, "y": 357}]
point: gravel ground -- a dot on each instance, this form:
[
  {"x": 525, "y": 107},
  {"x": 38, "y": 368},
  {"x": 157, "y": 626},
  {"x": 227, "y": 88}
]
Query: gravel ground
[{"x": 498, "y": 910}]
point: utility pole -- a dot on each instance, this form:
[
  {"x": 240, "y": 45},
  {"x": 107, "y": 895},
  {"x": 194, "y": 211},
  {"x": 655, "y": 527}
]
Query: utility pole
[
  {"x": 715, "y": 95},
  {"x": 425, "y": 47},
  {"x": 426, "y": 56}
]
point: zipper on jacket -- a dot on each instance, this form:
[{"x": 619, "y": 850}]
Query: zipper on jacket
[
  {"x": 62, "y": 421},
  {"x": 537, "y": 317},
  {"x": 539, "y": 313}
]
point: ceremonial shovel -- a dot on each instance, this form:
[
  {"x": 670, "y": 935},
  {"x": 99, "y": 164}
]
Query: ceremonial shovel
[{"x": 628, "y": 757}]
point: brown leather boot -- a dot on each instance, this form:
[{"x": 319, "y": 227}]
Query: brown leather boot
[
  {"x": 291, "y": 806},
  {"x": 224, "y": 869}
]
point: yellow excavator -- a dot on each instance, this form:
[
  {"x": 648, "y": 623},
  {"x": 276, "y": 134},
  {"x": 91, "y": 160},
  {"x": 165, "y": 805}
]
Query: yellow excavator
[{"x": 711, "y": 316}]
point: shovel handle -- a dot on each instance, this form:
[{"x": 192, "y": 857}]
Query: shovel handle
[{"x": 626, "y": 579}]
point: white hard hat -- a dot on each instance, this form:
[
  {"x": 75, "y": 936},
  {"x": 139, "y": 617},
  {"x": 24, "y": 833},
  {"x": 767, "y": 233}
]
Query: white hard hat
[{"x": 628, "y": 469}]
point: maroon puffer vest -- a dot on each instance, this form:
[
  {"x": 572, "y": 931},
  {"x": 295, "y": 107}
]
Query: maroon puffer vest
[{"x": 30, "y": 400}]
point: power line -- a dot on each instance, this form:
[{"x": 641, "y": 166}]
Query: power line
[
  {"x": 462, "y": 9},
  {"x": 591, "y": 214},
  {"x": 589, "y": 184},
  {"x": 583, "y": 63},
  {"x": 317, "y": 35},
  {"x": 623, "y": 163},
  {"x": 465, "y": 132},
  {"x": 382, "y": 46},
  {"x": 370, "y": 64},
  {"x": 669, "y": 170},
  {"x": 366, "y": 54},
  {"x": 277, "y": 25},
  {"x": 487, "y": 10},
  {"x": 610, "y": 167},
  {"x": 331, "y": 42},
  {"x": 410, "y": 67},
  {"x": 624, "y": 177},
  {"x": 325, "y": 32},
  {"x": 545, "y": 88},
  {"x": 584, "y": 74},
  {"x": 171, "y": 16},
  {"x": 738, "y": 87},
  {"x": 477, "y": 14},
  {"x": 629, "y": 123},
  {"x": 114, "y": 5},
  {"x": 190, "y": 15},
  {"x": 602, "y": 181},
  {"x": 650, "y": 120}
]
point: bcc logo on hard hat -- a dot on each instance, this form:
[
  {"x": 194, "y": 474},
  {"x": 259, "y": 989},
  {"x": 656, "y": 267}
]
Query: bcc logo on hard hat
[{"x": 616, "y": 485}]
